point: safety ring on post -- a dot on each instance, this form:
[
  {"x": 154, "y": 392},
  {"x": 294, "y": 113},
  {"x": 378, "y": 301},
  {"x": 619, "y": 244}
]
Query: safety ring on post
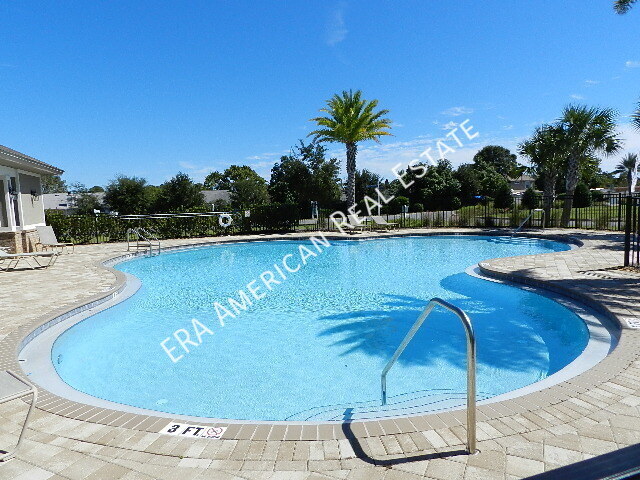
[{"x": 225, "y": 220}]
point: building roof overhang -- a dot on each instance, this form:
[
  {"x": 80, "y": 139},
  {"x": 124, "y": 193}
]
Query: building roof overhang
[{"x": 14, "y": 159}]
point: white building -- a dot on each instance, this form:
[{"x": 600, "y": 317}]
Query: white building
[{"x": 21, "y": 203}]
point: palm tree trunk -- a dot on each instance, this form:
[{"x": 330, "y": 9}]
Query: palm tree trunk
[
  {"x": 352, "y": 151},
  {"x": 571, "y": 183}
]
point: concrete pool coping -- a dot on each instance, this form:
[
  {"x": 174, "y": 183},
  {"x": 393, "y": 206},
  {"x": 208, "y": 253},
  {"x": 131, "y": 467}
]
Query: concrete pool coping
[
  {"x": 35, "y": 354},
  {"x": 301, "y": 430}
]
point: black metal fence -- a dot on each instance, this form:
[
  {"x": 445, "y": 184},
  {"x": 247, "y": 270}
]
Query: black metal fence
[
  {"x": 632, "y": 232},
  {"x": 601, "y": 212}
]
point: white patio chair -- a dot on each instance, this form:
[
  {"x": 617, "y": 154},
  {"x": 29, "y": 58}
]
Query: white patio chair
[
  {"x": 9, "y": 261},
  {"x": 48, "y": 240},
  {"x": 381, "y": 222}
]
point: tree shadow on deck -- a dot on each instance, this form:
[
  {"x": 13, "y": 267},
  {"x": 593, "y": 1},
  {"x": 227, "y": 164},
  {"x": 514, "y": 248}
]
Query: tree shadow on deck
[{"x": 623, "y": 463}]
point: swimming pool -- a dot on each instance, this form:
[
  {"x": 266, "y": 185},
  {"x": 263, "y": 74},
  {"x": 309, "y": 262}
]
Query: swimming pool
[{"x": 315, "y": 344}]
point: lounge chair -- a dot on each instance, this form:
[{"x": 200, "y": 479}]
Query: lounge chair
[
  {"x": 381, "y": 222},
  {"x": 9, "y": 261},
  {"x": 356, "y": 223},
  {"x": 13, "y": 387},
  {"x": 48, "y": 240}
]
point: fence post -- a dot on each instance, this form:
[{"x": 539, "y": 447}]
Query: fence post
[
  {"x": 627, "y": 231},
  {"x": 619, "y": 212}
]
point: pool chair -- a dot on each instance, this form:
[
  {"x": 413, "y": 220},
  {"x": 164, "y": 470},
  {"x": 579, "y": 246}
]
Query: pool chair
[
  {"x": 355, "y": 224},
  {"x": 381, "y": 222},
  {"x": 12, "y": 387},
  {"x": 48, "y": 240},
  {"x": 9, "y": 261}
]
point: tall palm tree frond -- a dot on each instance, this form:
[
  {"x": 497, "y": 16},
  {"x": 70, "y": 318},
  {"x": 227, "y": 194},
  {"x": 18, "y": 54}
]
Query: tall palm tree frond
[
  {"x": 587, "y": 132},
  {"x": 635, "y": 117},
  {"x": 628, "y": 162},
  {"x": 623, "y": 6},
  {"x": 350, "y": 119}
]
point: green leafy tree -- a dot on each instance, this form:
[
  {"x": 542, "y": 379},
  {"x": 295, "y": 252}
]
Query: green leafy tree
[
  {"x": 127, "y": 195},
  {"x": 53, "y": 184},
  {"x": 491, "y": 182},
  {"x": 245, "y": 186},
  {"x": 366, "y": 184},
  {"x": 441, "y": 190},
  {"x": 96, "y": 189},
  {"x": 503, "y": 197},
  {"x": 499, "y": 159},
  {"x": 628, "y": 166},
  {"x": 530, "y": 199},
  {"x": 470, "y": 185},
  {"x": 84, "y": 202},
  {"x": 396, "y": 204},
  {"x": 351, "y": 120},
  {"x": 179, "y": 194},
  {"x": 582, "y": 196},
  {"x": 305, "y": 175},
  {"x": 586, "y": 132},
  {"x": 623, "y": 6}
]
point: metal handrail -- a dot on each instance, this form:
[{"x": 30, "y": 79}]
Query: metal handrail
[
  {"x": 471, "y": 363},
  {"x": 527, "y": 219},
  {"x": 149, "y": 239}
]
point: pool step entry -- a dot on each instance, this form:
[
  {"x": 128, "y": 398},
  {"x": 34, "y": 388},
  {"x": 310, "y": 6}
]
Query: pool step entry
[
  {"x": 139, "y": 237},
  {"x": 471, "y": 362},
  {"x": 413, "y": 403}
]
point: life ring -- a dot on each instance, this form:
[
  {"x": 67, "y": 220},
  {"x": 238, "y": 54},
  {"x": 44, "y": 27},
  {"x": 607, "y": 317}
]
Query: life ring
[{"x": 225, "y": 220}]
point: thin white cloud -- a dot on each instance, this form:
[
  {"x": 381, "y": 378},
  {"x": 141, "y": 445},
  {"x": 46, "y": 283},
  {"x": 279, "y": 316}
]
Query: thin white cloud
[
  {"x": 457, "y": 111},
  {"x": 591, "y": 82},
  {"x": 336, "y": 30},
  {"x": 508, "y": 127},
  {"x": 577, "y": 96},
  {"x": 450, "y": 125},
  {"x": 632, "y": 64},
  {"x": 197, "y": 172},
  {"x": 267, "y": 155}
]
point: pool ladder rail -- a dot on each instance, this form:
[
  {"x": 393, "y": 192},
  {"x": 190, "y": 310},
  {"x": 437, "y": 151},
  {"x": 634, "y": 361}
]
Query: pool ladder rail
[
  {"x": 471, "y": 363},
  {"x": 524, "y": 222},
  {"x": 143, "y": 238}
]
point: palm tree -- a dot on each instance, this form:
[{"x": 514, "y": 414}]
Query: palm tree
[
  {"x": 544, "y": 151},
  {"x": 350, "y": 120},
  {"x": 586, "y": 132},
  {"x": 629, "y": 165},
  {"x": 635, "y": 117},
  {"x": 623, "y": 6}
]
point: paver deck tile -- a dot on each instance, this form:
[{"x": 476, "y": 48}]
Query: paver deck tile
[{"x": 594, "y": 413}]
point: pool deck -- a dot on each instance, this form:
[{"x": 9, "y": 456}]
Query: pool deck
[{"x": 596, "y": 414}]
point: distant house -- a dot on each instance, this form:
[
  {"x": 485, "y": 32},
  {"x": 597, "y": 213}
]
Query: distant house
[
  {"x": 21, "y": 202},
  {"x": 65, "y": 201},
  {"x": 522, "y": 183},
  {"x": 213, "y": 197}
]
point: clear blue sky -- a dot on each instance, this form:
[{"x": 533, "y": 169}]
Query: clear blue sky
[{"x": 150, "y": 88}]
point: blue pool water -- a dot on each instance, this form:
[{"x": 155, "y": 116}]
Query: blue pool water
[{"x": 316, "y": 343}]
